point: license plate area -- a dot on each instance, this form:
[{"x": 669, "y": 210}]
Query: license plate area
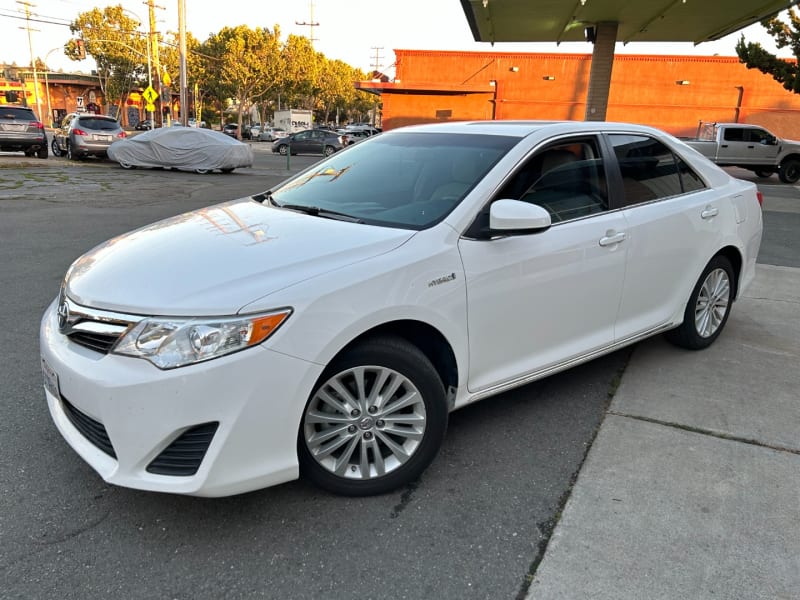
[
  {"x": 101, "y": 138},
  {"x": 50, "y": 379}
]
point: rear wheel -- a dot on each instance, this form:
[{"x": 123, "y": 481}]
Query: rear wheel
[
  {"x": 329, "y": 150},
  {"x": 125, "y": 165},
  {"x": 375, "y": 419},
  {"x": 790, "y": 170},
  {"x": 202, "y": 171},
  {"x": 42, "y": 152},
  {"x": 54, "y": 147},
  {"x": 283, "y": 150},
  {"x": 708, "y": 307},
  {"x": 70, "y": 154}
]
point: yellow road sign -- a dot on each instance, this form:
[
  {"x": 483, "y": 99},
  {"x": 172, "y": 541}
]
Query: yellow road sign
[
  {"x": 150, "y": 107},
  {"x": 150, "y": 94},
  {"x": 166, "y": 79}
]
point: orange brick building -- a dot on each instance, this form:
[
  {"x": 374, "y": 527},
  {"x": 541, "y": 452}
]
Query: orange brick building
[{"x": 669, "y": 92}]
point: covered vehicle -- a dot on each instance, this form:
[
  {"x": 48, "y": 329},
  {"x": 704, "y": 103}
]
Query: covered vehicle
[{"x": 184, "y": 148}]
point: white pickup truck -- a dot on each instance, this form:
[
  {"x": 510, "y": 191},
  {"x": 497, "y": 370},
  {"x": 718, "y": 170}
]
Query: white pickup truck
[{"x": 749, "y": 147}]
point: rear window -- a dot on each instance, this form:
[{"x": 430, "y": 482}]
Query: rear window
[
  {"x": 17, "y": 113},
  {"x": 97, "y": 123}
]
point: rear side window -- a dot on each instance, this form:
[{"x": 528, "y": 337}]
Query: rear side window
[
  {"x": 650, "y": 171},
  {"x": 733, "y": 134}
]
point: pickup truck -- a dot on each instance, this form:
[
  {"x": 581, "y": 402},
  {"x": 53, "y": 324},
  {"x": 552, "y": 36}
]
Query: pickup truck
[{"x": 749, "y": 147}]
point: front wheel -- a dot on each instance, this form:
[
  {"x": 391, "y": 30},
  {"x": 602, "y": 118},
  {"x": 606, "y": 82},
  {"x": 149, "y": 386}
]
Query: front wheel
[
  {"x": 202, "y": 171},
  {"x": 789, "y": 171},
  {"x": 283, "y": 150},
  {"x": 708, "y": 307},
  {"x": 125, "y": 165},
  {"x": 54, "y": 147},
  {"x": 375, "y": 419}
]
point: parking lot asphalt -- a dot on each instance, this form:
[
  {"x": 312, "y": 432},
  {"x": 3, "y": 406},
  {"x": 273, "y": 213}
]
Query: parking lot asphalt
[
  {"x": 690, "y": 489},
  {"x": 692, "y": 486}
]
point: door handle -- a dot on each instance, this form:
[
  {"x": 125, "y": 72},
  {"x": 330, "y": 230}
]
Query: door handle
[
  {"x": 724, "y": 146},
  {"x": 709, "y": 212},
  {"x": 751, "y": 147},
  {"x": 612, "y": 238}
]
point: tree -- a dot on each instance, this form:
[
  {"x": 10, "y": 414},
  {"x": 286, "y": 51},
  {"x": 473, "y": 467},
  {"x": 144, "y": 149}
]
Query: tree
[
  {"x": 246, "y": 63},
  {"x": 786, "y": 72},
  {"x": 120, "y": 51}
]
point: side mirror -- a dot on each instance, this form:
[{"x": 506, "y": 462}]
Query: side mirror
[{"x": 515, "y": 216}]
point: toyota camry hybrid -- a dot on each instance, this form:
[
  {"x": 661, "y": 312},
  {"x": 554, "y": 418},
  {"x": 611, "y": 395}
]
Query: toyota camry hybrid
[{"x": 326, "y": 327}]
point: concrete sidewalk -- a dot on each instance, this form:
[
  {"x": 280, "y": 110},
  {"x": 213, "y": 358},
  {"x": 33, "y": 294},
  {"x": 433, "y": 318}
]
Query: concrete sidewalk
[{"x": 692, "y": 487}]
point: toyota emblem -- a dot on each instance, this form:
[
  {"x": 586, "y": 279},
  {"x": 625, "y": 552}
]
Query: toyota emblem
[{"x": 63, "y": 315}]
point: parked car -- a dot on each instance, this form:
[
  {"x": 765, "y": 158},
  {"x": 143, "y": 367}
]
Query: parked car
[
  {"x": 252, "y": 131},
  {"x": 354, "y": 135},
  {"x": 144, "y": 125},
  {"x": 749, "y": 147},
  {"x": 310, "y": 141},
  {"x": 327, "y": 326},
  {"x": 182, "y": 148},
  {"x": 231, "y": 129},
  {"x": 21, "y": 131},
  {"x": 86, "y": 134},
  {"x": 270, "y": 134}
]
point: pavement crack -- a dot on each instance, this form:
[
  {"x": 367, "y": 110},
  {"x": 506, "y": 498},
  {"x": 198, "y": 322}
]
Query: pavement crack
[{"x": 709, "y": 432}]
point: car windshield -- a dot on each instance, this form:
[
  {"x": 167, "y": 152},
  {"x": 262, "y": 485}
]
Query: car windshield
[
  {"x": 97, "y": 123},
  {"x": 409, "y": 180}
]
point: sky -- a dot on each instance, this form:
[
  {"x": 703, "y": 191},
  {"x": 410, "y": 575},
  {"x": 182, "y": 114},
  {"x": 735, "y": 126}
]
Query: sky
[{"x": 362, "y": 33}]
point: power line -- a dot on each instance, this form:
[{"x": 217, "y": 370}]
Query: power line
[{"x": 311, "y": 24}]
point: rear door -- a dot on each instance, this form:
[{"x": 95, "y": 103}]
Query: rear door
[{"x": 672, "y": 221}]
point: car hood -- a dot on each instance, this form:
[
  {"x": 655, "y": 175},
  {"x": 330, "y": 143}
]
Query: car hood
[{"x": 215, "y": 260}]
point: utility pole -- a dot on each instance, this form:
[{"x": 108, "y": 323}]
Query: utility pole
[
  {"x": 182, "y": 50},
  {"x": 376, "y": 65},
  {"x": 151, "y": 6},
  {"x": 311, "y": 24},
  {"x": 28, "y": 6}
]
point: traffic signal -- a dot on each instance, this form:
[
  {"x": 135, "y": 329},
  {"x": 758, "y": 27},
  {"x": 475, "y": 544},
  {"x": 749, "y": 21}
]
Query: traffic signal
[{"x": 80, "y": 49}]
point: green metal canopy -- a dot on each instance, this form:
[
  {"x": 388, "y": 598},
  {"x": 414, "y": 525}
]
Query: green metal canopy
[{"x": 638, "y": 20}]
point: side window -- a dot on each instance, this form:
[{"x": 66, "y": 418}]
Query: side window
[
  {"x": 759, "y": 136},
  {"x": 690, "y": 181},
  {"x": 649, "y": 169},
  {"x": 733, "y": 134},
  {"x": 567, "y": 179}
]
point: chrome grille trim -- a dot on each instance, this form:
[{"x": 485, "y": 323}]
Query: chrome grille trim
[{"x": 95, "y": 329}]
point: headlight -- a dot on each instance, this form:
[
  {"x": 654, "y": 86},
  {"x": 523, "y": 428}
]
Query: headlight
[{"x": 170, "y": 343}]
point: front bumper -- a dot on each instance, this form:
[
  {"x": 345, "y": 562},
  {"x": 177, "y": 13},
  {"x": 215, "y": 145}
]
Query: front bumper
[{"x": 256, "y": 396}]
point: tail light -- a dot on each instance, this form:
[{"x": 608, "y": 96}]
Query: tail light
[
  {"x": 37, "y": 124},
  {"x": 77, "y": 131},
  {"x": 760, "y": 197},
  {"x": 122, "y": 134}
]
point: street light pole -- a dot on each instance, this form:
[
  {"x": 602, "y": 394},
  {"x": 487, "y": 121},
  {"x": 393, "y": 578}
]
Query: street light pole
[{"x": 182, "y": 51}]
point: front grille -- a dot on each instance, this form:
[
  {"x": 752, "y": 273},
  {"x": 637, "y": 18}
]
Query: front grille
[
  {"x": 183, "y": 456},
  {"x": 92, "y": 430},
  {"x": 98, "y": 342},
  {"x": 97, "y": 330}
]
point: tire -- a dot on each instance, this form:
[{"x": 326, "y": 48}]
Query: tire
[
  {"x": 708, "y": 307},
  {"x": 125, "y": 165},
  {"x": 202, "y": 171},
  {"x": 70, "y": 155},
  {"x": 329, "y": 150},
  {"x": 54, "y": 147},
  {"x": 789, "y": 171},
  {"x": 42, "y": 152},
  {"x": 356, "y": 442},
  {"x": 283, "y": 150},
  {"x": 763, "y": 174}
]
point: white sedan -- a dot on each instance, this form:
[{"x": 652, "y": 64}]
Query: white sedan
[
  {"x": 182, "y": 148},
  {"x": 325, "y": 330}
]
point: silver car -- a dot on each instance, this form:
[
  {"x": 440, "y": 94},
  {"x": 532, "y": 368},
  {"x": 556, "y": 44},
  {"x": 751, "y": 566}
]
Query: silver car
[{"x": 86, "y": 134}]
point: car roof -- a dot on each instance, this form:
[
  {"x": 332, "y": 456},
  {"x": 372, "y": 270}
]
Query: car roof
[{"x": 524, "y": 128}]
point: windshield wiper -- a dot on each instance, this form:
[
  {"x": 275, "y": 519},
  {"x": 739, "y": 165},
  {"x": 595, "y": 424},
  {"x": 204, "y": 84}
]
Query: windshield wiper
[{"x": 316, "y": 211}]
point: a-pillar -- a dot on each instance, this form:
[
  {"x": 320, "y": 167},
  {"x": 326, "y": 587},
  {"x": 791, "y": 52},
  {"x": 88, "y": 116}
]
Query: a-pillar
[{"x": 605, "y": 38}]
